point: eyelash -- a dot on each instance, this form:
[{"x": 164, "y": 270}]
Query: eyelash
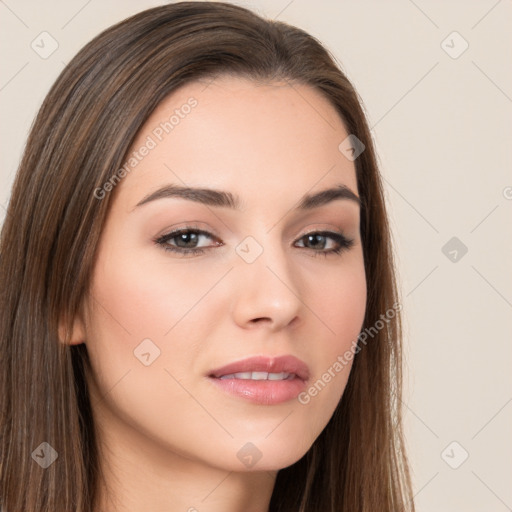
[{"x": 344, "y": 243}]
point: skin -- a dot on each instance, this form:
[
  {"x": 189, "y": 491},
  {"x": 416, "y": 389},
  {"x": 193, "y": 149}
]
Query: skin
[{"x": 169, "y": 438}]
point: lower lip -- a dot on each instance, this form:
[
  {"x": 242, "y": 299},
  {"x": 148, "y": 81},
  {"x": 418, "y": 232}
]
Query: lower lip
[{"x": 264, "y": 392}]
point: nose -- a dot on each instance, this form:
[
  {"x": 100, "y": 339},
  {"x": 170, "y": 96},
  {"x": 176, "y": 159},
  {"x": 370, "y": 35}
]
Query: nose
[{"x": 268, "y": 289}]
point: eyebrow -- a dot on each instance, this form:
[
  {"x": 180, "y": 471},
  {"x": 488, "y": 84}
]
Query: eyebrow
[{"x": 223, "y": 199}]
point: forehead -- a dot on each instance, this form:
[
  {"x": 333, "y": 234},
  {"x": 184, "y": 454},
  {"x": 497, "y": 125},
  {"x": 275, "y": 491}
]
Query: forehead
[{"x": 239, "y": 135}]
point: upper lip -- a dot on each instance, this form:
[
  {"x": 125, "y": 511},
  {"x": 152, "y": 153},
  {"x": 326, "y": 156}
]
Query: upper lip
[{"x": 286, "y": 364}]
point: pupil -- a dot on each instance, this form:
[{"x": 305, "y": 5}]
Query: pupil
[
  {"x": 183, "y": 237},
  {"x": 312, "y": 237}
]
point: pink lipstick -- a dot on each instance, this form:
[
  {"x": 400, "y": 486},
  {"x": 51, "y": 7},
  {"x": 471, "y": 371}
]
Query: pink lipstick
[{"x": 263, "y": 380}]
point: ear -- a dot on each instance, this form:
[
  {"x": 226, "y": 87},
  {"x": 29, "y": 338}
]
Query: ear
[{"x": 77, "y": 334}]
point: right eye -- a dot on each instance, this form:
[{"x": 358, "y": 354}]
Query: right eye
[{"x": 185, "y": 236}]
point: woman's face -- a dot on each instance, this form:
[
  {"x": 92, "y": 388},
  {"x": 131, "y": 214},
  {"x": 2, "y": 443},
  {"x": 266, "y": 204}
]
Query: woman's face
[{"x": 160, "y": 321}]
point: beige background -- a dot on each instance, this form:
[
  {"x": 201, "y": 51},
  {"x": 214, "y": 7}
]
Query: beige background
[{"x": 443, "y": 131}]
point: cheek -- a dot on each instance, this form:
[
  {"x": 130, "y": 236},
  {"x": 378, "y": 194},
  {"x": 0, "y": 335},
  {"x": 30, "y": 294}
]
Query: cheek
[
  {"x": 339, "y": 301},
  {"x": 340, "y": 307},
  {"x": 140, "y": 308},
  {"x": 137, "y": 300},
  {"x": 143, "y": 337}
]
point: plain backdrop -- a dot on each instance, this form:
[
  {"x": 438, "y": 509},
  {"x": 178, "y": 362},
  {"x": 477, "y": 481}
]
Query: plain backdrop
[{"x": 436, "y": 82}]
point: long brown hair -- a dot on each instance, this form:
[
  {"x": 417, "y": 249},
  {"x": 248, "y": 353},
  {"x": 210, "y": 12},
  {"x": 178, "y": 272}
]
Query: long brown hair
[{"x": 79, "y": 141}]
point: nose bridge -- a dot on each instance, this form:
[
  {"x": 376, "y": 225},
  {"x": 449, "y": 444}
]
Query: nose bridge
[
  {"x": 263, "y": 249},
  {"x": 269, "y": 287}
]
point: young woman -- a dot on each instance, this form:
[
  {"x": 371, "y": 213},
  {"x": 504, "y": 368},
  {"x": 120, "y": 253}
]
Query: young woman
[{"x": 199, "y": 309}]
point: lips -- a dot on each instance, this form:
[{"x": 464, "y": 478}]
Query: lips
[
  {"x": 282, "y": 364},
  {"x": 250, "y": 379}
]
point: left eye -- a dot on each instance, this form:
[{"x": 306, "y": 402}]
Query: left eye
[
  {"x": 185, "y": 241},
  {"x": 341, "y": 242}
]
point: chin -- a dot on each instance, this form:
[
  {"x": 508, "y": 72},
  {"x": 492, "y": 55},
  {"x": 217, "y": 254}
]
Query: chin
[{"x": 264, "y": 456}]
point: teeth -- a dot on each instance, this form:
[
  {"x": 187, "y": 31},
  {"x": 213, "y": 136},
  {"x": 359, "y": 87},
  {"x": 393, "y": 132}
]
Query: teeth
[
  {"x": 252, "y": 375},
  {"x": 259, "y": 376}
]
